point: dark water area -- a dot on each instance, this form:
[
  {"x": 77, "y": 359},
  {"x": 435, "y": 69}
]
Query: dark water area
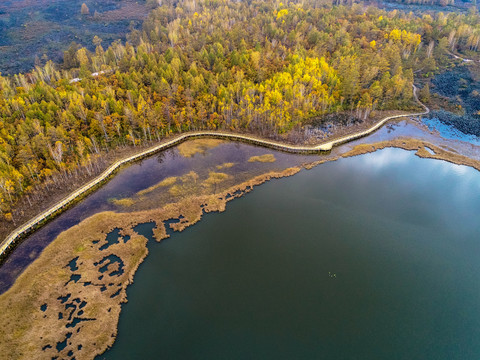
[
  {"x": 133, "y": 178},
  {"x": 371, "y": 257}
]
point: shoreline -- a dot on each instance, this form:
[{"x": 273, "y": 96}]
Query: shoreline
[
  {"x": 423, "y": 149},
  {"x": 8, "y": 244}
]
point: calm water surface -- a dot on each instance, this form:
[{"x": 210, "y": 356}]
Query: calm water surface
[
  {"x": 139, "y": 176},
  {"x": 372, "y": 257}
]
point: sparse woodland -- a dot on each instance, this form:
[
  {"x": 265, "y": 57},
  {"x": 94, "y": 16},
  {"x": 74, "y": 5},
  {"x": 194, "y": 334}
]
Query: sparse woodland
[{"x": 252, "y": 66}]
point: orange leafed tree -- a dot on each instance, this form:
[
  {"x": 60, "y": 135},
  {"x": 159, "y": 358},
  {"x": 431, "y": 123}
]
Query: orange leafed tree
[{"x": 84, "y": 10}]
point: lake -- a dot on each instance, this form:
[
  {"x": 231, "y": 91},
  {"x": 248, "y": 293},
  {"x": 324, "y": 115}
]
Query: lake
[{"x": 371, "y": 257}]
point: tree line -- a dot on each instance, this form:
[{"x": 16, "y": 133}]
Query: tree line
[{"x": 264, "y": 67}]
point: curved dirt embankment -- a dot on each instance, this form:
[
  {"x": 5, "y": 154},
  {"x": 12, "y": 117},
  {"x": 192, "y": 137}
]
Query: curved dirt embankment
[{"x": 60, "y": 206}]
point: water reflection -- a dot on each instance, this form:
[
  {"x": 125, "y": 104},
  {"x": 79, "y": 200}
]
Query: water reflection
[
  {"x": 422, "y": 182},
  {"x": 382, "y": 160}
]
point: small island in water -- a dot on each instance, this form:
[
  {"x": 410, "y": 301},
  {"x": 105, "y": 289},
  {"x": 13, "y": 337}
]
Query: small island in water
[{"x": 204, "y": 103}]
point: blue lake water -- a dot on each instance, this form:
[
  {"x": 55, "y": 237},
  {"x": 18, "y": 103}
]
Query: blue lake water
[{"x": 449, "y": 131}]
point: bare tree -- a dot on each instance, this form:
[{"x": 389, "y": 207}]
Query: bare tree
[{"x": 57, "y": 152}]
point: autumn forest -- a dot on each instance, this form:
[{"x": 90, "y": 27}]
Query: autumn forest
[{"x": 261, "y": 67}]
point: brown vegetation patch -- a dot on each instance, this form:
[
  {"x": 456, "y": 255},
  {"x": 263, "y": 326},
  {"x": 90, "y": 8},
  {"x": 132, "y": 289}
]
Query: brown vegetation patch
[
  {"x": 187, "y": 185},
  {"x": 227, "y": 165},
  {"x": 215, "y": 178},
  {"x": 311, "y": 165},
  {"x": 199, "y": 146},
  {"x": 131, "y": 10},
  {"x": 263, "y": 158},
  {"x": 164, "y": 183},
  {"x": 125, "y": 202},
  {"x": 89, "y": 305},
  {"x": 35, "y": 29}
]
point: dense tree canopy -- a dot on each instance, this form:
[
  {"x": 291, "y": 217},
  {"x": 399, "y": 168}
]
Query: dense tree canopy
[{"x": 256, "y": 66}]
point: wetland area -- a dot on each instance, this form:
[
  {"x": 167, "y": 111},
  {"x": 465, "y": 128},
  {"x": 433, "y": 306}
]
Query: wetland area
[
  {"x": 367, "y": 251},
  {"x": 148, "y": 211}
]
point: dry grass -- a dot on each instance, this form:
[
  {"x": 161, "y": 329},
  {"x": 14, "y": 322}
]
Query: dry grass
[
  {"x": 125, "y": 202},
  {"x": 130, "y": 10},
  {"x": 164, "y": 183},
  {"x": 177, "y": 190},
  {"x": 25, "y": 329},
  {"x": 199, "y": 146},
  {"x": 31, "y": 30},
  {"x": 227, "y": 165},
  {"x": 267, "y": 158},
  {"x": 215, "y": 178},
  {"x": 311, "y": 165},
  {"x": 186, "y": 186}
]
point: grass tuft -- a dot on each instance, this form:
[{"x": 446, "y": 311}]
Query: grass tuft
[
  {"x": 199, "y": 146},
  {"x": 267, "y": 158},
  {"x": 169, "y": 181}
]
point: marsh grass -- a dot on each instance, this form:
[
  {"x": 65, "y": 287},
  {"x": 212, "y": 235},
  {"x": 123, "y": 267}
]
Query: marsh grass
[
  {"x": 267, "y": 158},
  {"x": 215, "y": 177},
  {"x": 125, "y": 202},
  {"x": 198, "y": 146},
  {"x": 186, "y": 186},
  {"x": 227, "y": 165},
  {"x": 169, "y": 181}
]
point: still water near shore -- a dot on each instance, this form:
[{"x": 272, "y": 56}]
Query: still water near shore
[
  {"x": 139, "y": 176},
  {"x": 372, "y": 257}
]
